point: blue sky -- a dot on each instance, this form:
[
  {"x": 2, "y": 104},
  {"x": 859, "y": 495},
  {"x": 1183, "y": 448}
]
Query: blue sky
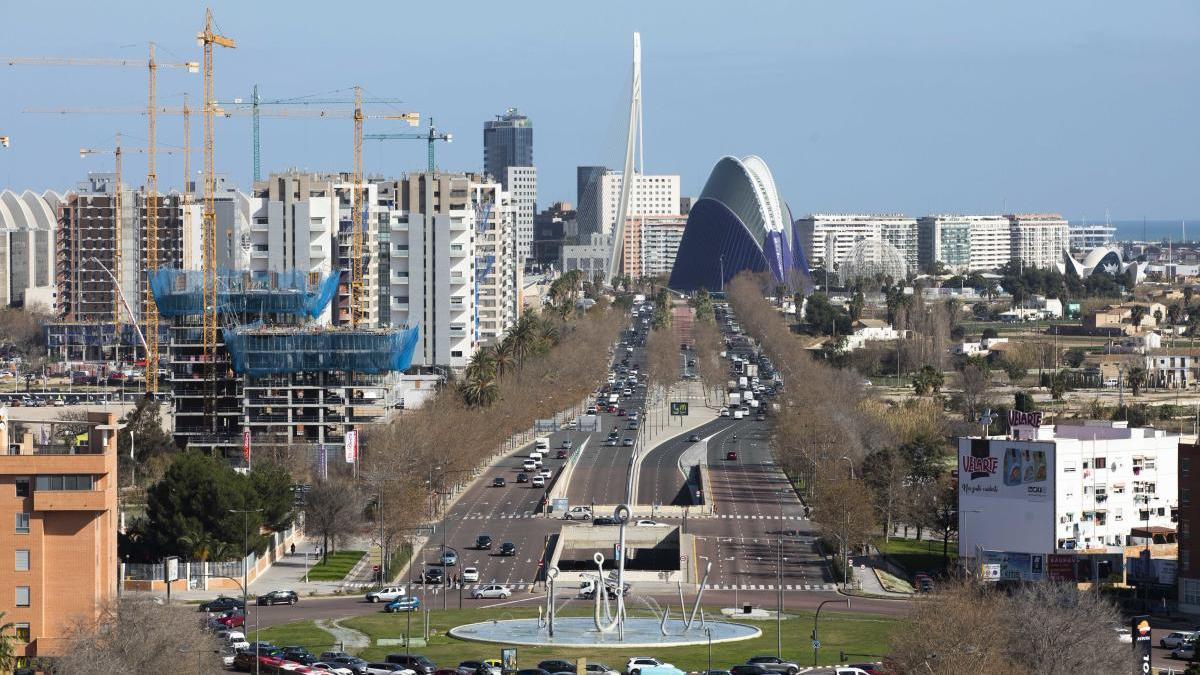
[{"x": 915, "y": 107}]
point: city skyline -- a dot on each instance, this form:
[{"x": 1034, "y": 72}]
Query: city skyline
[{"x": 1080, "y": 108}]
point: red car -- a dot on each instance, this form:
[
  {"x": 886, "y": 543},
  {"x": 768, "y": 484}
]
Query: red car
[
  {"x": 232, "y": 620},
  {"x": 612, "y": 409},
  {"x": 620, "y": 412},
  {"x": 731, "y": 455},
  {"x": 561, "y": 454}
]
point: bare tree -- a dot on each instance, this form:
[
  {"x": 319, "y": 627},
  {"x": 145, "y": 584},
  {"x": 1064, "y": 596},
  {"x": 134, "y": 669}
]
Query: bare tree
[
  {"x": 332, "y": 509},
  {"x": 970, "y": 627},
  {"x": 136, "y": 635},
  {"x": 976, "y": 385}
]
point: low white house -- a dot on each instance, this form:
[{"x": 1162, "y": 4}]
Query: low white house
[{"x": 868, "y": 330}]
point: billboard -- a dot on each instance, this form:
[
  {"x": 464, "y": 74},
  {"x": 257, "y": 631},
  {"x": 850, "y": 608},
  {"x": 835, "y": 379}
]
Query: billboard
[
  {"x": 351, "y": 446},
  {"x": 679, "y": 408},
  {"x": 1012, "y": 566},
  {"x": 1006, "y": 495}
]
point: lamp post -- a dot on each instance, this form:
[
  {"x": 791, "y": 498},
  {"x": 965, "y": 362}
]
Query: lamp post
[
  {"x": 245, "y": 548},
  {"x": 816, "y": 642},
  {"x": 245, "y": 614},
  {"x": 708, "y": 633},
  {"x": 846, "y": 535}
]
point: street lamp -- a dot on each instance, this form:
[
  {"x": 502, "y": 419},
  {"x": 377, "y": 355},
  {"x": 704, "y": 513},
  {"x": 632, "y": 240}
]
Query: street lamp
[
  {"x": 816, "y": 642},
  {"x": 708, "y": 632},
  {"x": 245, "y": 570}
]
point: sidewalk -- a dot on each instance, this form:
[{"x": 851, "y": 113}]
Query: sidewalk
[{"x": 866, "y": 574}]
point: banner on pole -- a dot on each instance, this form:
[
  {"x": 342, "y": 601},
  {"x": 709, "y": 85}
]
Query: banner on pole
[
  {"x": 351, "y": 446},
  {"x": 246, "y": 445}
]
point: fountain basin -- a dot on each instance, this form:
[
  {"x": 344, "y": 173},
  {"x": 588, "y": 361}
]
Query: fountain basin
[{"x": 581, "y": 632}]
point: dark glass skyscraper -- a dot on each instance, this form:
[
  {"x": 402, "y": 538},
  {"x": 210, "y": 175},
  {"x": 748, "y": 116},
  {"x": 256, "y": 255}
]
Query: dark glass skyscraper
[{"x": 507, "y": 141}]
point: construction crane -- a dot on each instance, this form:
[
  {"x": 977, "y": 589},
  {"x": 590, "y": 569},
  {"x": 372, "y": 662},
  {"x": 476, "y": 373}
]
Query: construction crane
[
  {"x": 430, "y": 137},
  {"x": 209, "y": 39},
  {"x": 152, "y": 65}
]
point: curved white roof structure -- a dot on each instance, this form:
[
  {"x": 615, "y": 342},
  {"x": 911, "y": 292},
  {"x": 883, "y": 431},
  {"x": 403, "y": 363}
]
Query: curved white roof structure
[
  {"x": 28, "y": 211},
  {"x": 769, "y": 203},
  {"x": 1094, "y": 256}
]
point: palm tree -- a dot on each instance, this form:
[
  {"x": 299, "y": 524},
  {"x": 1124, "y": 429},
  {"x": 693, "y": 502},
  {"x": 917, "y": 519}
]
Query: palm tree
[
  {"x": 482, "y": 363},
  {"x": 8, "y": 640},
  {"x": 503, "y": 357},
  {"x": 1137, "y": 379},
  {"x": 480, "y": 392}
]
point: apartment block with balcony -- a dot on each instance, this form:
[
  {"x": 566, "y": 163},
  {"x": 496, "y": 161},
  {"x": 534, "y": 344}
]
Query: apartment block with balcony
[
  {"x": 498, "y": 273},
  {"x": 59, "y": 500}
]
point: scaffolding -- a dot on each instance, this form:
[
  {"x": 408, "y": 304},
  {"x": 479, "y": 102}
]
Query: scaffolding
[
  {"x": 257, "y": 350},
  {"x": 295, "y": 293}
]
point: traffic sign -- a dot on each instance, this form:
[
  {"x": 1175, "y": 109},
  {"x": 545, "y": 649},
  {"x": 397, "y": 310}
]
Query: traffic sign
[
  {"x": 816, "y": 644},
  {"x": 374, "y": 568}
]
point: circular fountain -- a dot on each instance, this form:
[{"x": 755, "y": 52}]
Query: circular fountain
[{"x": 609, "y": 626}]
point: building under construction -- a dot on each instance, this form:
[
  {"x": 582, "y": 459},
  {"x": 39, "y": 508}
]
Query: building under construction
[{"x": 293, "y": 383}]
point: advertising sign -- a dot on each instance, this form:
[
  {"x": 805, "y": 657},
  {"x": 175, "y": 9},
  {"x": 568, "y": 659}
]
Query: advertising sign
[
  {"x": 1060, "y": 567},
  {"x": 1140, "y": 627},
  {"x": 1012, "y": 566},
  {"x": 559, "y": 505},
  {"x": 508, "y": 659},
  {"x": 679, "y": 408},
  {"x": 1016, "y": 418},
  {"x": 351, "y": 446},
  {"x": 246, "y": 445},
  {"x": 171, "y": 568},
  {"x": 1017, "y": 472}
]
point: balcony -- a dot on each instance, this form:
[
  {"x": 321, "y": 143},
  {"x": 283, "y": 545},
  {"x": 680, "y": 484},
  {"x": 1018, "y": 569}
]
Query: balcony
[{"x": 70, "y": 500}]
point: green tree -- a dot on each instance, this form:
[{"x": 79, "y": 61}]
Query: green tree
[
  {"x": 928, "y": 380},
  {"x": 189, "y": 511},
  {"x": 1136, "y": 314},
  {"x": 272, "y": 486},
  {"x": 144, "y": 434},
  {"x": 8, "y": 639},
  {"x": 1136, "y": 378}
]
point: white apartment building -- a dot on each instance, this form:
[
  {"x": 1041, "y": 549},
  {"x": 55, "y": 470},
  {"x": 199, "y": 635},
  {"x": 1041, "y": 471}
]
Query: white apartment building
[
  {"x": 521, "y": 183},
  {"x": 649, "y": 196},
  {"x": 591, "y": 258},
  {"x": 1037, "y": 239},
  {"x": 28, "y": 230},
  {"x": 1085, "y": 237},
  {"x": 497, "y": 272},
  {"x": 1066, "y": 487},
  {"x": 651, "y": 244},
  {"x": 829, "y": 238},
  {"x": 963, "y": 243}
]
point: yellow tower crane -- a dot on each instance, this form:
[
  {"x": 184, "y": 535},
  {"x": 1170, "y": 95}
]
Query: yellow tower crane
[{"x": 151, "y": 314}]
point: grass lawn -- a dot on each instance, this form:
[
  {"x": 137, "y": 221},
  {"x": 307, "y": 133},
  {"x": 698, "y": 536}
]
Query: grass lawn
[
  {"x": 917, "y": 556},
  {"x": 335, "y": 566},
  {"x": 303, "y": 633},
  {"x": 862, "y": 637}
]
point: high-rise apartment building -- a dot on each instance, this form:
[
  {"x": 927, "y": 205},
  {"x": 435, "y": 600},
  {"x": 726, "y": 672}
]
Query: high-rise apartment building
[
  {"x": 498, "y": 277},
  {"x": 963, "y": 243},
  {"x": 28, "y": 234},
  {"x": 587, "y": 198},
  {"x": 508, "y": 158},
  {"x": 648, "y": 196},
  {"x": 1038, "y": 239},
  {"x": 651, "y": 244},
  {"x": 59, "y": 501},
  {"x": 829, "y": 238},
  {"x": 1087, "y": 236},
  {"x": 552, "y": 228}
]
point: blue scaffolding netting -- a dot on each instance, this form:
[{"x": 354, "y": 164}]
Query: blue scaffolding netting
[
  {"x": 257, "y": 351},
  {"x": 181, "y": 292}
]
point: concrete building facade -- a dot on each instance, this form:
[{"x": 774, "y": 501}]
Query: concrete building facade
[
  {"x": 497, "y": 274},
  {"x": 829, "y": 239},
  {"x": 60, "y": 501},
  {"x": 553, "y": 228},
  {"x": 1037, "y": 239},
  {"x": 28, "y": 235},
  {"x": 508, "y": 158},
  {"x": 591, "y": 258},
  {"x": 651, "y": 244},
  {"x": 650, "y": 195},
  {"x": 963, "y": 243},
  {"x": 1085, "y": 236}
]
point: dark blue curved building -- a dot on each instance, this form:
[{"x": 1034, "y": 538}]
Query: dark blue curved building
[{"x": 739, "y": 223}]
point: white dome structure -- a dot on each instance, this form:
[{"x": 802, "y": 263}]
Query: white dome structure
[
  {"x": 870, "y": 259},
  {"x": 28, "y": 226},
  {"x": 1106, "y": 259}
]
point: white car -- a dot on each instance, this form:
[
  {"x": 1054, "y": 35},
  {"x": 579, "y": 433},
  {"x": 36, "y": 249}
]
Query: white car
[
  {"x": 538, "y": 481},
  {"x": 578, "y": 513},
  {"x": 322, "y": 667},
  {"x": 648, "y": 523},
  {"x": 635, "y": 665},
  {"x": 492, "y": 591},
  {"x": 850, "y": 671},
  {"x": 233, "y": 638},
  {"x": 470, "y": 575},
  {"x": 545, "y": 473},
  {"x": 386, "y": 594},
  {"x": 1175, "y": 639},
  {"x": 724, "y": 412}
]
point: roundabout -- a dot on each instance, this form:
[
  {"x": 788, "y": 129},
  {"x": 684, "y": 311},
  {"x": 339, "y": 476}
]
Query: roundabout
[{"x": 581, "y": 632}]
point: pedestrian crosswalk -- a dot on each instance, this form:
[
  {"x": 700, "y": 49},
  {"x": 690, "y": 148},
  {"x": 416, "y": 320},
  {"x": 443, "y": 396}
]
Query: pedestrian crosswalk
[
  {"x": 737, "y": 516},
  {"x": 770, "y": 587},
  {"x": 514, "y": 586},
  {"x": 496, "y": 516}
]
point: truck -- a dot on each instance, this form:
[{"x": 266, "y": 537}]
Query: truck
[
  {"x": 738, "y": 414},
  {"x": 732, "y": 385},
  {"x": 751, "y": 370},
  {"x": 743, "y": 383},
  {"x": 542, "y": 444},
  {"x": 735, "y": 398}
]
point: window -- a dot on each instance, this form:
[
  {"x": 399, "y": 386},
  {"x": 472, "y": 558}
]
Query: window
[
  {"x": 1086, "y": 464},
  {"x": 22, "y": 523},
  {"x": 1185, "y": 496},
  {"x": 22, "y": 564},
  {"x": 21, "y": 631},
  {"x": 456, "y": 353},
  {"x": 67, "y": 482},
  {"x": 22, "y": 596},
  {"x": 22, "y": 487},
  {"x": 1101, "y": 462}
]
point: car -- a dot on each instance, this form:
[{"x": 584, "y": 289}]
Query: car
[
  {"x": 561, "y": 454},
  {"x": 470, "y": 574},
  {"x": 538, "y": 481},
  {"x": 731, "y": 455},
  {"x": 407, "y": 604},
  {"x": 610, "y": 443},
  {"x": 628, "y": 442},
  {"x": 557, "y": 666},
  {"x": 748, "y": 669},
  {"x": 483, "y": 542},
  {"x": 508, "y": 549},
  {"x": 264, "y": 648},
  {"x": 343, "y": 660},
  {"x": 491, "y": 591},
  {"x": 1175, "y": 639},
  {"x": 386, "y": 669},
  {"x": 637, "y": 663},
  {"x": 694, "y": 438},
  {"x": 604, "y": 520},
  {"x": 760, "y": 417},
  {"x": 234, "y": 618},
  {"x": 648, "y": 523},
  {"x": 591, "y": 410},
  {"x": 872, "y": 668},
  {"x": 433, "y": 575},
  {"x": 449, "y": 557},
  {"x": 599, "y": 669},
  {"x": 499, "y": 481},
  {"x": 222, "y": 604},
  {"x": 234, "y": 639},
  {"x": 566, "y": 444},
  {"x": 478, "y": 668},
  {"x": 620, "y": 412},
  {"x": 245, "y": 662},
  {"x": 522, "y": 477},
  {"x": 849, "y": 670},
  {"x": 724, "y": 412},
  {"x": 278, "y": 598},
  {"x": 774, "y": 664},
  {"x": 1124, "y": 635},
  {"x": 299, "y": 655},
  {"x": 322, "y": 667},
  {"x": 386, "y": 594},
  {"x": 545, "y": 473},
  {"x": 632, "y": 426},
  {"x": 414, "y": 662},
  {"x": 578, "y": 513},
  {"x": 533, "y": 671}
]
